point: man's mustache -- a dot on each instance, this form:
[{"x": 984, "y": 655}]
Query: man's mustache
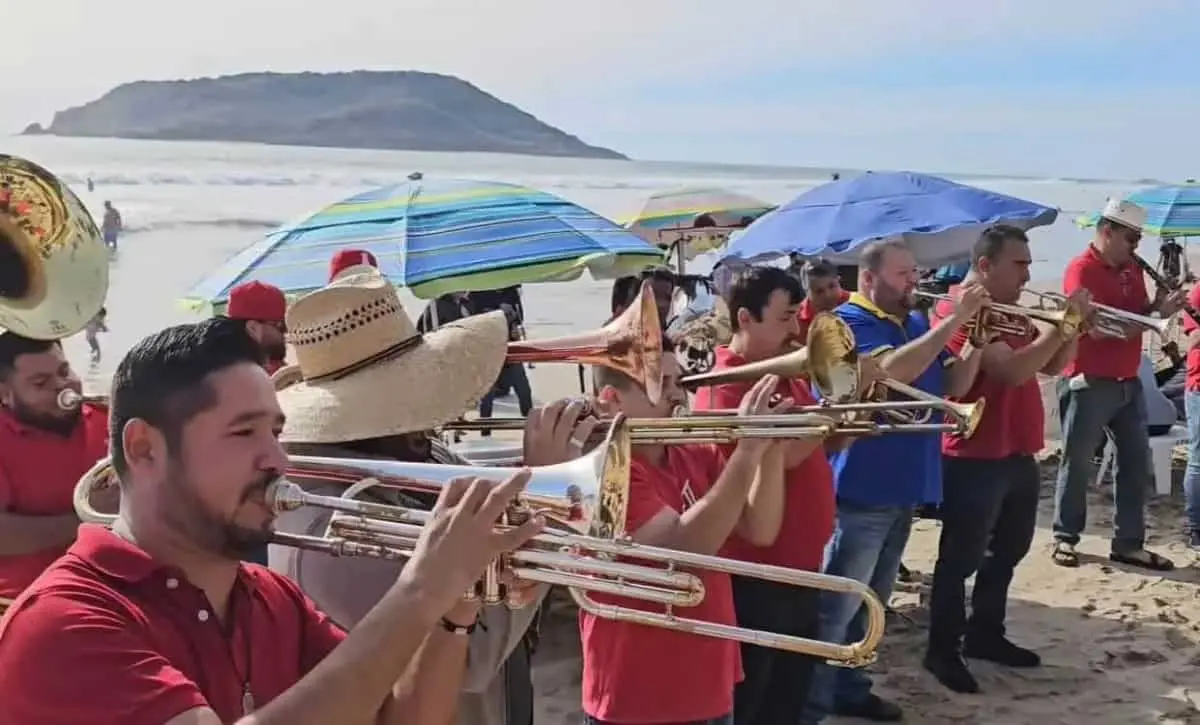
[{"x": 260, "y": 486}]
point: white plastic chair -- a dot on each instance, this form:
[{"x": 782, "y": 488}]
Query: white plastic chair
[{"x": 1161, "y": 448}]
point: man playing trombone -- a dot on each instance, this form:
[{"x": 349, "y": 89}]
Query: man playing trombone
[
  {"x": 688, "y": 498},
  {"x": 343, "y": 416},
  {"x": 1100, "y": 390},
  {"x": 156, "y": 622},
  {"x": 881, "y": 480},
  {"x": 991, "y": 482}
]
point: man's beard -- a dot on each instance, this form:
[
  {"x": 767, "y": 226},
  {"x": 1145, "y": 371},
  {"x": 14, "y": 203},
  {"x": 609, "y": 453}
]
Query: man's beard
[
  {"x": 62, "y": 424},
  {"x": 275, "y": 350},
  {"x": 184, "y": 511},
  {"x": 898, "y": 299}
]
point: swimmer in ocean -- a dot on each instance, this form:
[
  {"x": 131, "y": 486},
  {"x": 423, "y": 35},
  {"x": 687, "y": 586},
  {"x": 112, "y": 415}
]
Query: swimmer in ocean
[{"x": 111, "y": 227}]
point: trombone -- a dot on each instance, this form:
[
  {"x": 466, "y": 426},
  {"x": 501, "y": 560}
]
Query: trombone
[
  {"x": 630, "y": 343},
  {"x": 583, "y": 548},
  {"x": 830, "y": 361}
]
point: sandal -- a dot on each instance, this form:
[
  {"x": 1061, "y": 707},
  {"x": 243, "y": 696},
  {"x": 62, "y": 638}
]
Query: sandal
[
  {"x": 1143, "y": 559},
  {"x": 1064, "y": 554}
]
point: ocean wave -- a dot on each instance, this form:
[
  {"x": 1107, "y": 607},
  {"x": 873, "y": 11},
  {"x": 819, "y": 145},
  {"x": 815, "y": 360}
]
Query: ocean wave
[{"x": 166, "y": 224}]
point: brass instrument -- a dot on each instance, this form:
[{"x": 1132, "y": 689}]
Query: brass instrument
[
  {"x": 830, "y": 361},
  {"x": 70, "y": 400},
  {"x": 1109, "y": 321},
  {"x": 631, "y": 343},
  {"x": 1163, "y": 283},
  {"x": 53, "y": 260},
  {"x": 1013, "y": 319},
  {"x": 584, "y": 503}
]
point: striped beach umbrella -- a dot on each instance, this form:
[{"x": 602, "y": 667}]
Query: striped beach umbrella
[
  {"x": 439, "y": 236},
  {"x": 1171, "y": 211},
  {"x": 670, "y": 216}
]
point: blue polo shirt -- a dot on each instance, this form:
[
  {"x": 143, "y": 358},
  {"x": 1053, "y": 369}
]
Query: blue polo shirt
[{"x": 895, "y": 469}]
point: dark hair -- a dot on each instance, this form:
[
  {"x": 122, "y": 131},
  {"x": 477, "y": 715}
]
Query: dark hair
[
  {"x": 873, "y": 253},
  {"x": 752, "y": 289},
  {"x": 819, "y": 268},
  {"x": 626, "y": 288},
  {"x": 13, "y": 346},
  {"x": 163, "y": 378},
  {"x": 992, "y": 240}
]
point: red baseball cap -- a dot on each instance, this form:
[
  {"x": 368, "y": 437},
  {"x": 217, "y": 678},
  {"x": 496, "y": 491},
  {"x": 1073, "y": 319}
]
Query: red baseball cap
[
  {"x": 351, "y": 261},
  {"x": 256, "y": 301}
]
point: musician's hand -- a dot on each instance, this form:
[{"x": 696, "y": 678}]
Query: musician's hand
[
  {"x": 870, "y": 372},
  {"x": 461, "y": 539},
  {"x": 1172, "y": 303},
  {"x": 973, "y": 298},
  {"x": 558, "y": 432},
  {"x": 761, "y": 400}
]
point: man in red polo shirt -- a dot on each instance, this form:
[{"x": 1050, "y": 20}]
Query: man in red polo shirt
[
  {"x": 1100, "y": 389},
  {"x": 689, "y": 498},
  {"x": 44, "y": 450},
  {"x": 1191, "y": 402},
  {"x": 262, "y": 308},
  {"x": 156, "y": 622},
  {"x": 762, "y": 310},
  {"x": 991, "y": 482},
  {"x": 823, "y": 292}
]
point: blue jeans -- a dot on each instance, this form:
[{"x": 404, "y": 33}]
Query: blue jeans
[
  {"x": 1191, "y": 479},
  {"x": 866, "y": 546},
  {"x": 725, "y": 720},
  {"x": 1088, "y": 406}
]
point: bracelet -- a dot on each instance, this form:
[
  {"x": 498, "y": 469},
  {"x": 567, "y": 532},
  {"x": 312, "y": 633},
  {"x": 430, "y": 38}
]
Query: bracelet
[{"x": 461, "y": 630}]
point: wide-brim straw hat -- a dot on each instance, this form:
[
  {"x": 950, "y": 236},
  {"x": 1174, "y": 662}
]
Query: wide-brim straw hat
[{"x": 363, "y": 371}]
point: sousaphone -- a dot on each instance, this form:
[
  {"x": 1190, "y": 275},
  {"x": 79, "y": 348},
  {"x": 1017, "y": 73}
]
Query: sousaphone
[{"x": 53, "y": 260}]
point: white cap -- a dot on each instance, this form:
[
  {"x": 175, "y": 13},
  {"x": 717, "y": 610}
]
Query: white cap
[{"x": 1125, "y": 213}]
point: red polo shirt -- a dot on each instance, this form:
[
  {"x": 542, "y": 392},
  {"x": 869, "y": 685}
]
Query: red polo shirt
[
  {"x": 38, "y": 473},
  {"x": 808, "y": 519},
  {"x": 1013, "y": 419},
  {"x": 108, "y": 635},
  {"x": 1193, "y": 353},
  {"x": 634, "y": 674},
  {"x": 806, "y": 313},
  {"x": 1121, "y": 287}
]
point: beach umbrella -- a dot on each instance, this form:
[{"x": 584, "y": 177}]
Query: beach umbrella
[
  {"x": 940, "y": 219},
  {"x": 670, "y": 216},
  {"x": 439, "y": 236},
  {"x": 1171, "y": 211}
]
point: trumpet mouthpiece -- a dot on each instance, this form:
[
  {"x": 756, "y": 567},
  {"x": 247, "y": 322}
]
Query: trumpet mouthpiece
[
  {"x": 69, "y": 399},
  {"x": 283, "y": 495}
]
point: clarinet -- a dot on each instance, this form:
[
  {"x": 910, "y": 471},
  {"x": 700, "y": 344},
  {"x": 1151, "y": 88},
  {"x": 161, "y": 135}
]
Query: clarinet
[{"x": 1163, "y": 283}]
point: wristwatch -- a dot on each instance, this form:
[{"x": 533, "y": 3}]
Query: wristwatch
[{"x": 461, "y": 630}]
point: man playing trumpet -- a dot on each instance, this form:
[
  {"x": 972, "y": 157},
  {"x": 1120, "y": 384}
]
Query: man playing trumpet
[
  {"x": 1100, "y": 390},
  {"x": 375, "y": 390},
  {"x": 158, "y": 622},
  {"x": 689, "y": 498},
  {"x": 991, "y": 481}
]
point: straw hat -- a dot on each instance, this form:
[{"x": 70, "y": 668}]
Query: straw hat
[
  {"x": 1125, "y": 213},
  {"x": 363, "y": 370}
]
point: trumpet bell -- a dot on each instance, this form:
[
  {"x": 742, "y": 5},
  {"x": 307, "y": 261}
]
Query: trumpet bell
[{"x": 53, "y": 260}]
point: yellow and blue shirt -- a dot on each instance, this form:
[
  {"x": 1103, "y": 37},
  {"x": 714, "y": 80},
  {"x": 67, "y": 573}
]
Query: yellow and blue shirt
[{"x": 900, "y": 469}]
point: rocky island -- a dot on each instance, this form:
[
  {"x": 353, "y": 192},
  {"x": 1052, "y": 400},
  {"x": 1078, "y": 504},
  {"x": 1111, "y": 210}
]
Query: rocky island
[{"x": 404, "y": 110}]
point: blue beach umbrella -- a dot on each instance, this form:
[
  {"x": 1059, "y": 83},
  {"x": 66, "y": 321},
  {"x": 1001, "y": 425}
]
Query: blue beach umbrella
[
  {"x": 438, "y": 236},
  {"x": 940, "y": 219},
  {"x": 1171, "y": 211}
]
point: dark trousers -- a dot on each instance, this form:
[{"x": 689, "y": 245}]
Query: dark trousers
[
  {"x": 776, "y": 684},
  {"x": 989, "y": 512},
  {"x": 512, "y": 377}
]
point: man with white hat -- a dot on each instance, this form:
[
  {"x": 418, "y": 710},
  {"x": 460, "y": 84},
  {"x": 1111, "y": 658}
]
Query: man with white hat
[
  {"x": 368, "y": 385},
  {"x": 1099, "y": 390}
]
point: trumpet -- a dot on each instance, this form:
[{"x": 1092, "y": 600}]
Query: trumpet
[
  {"x": 631, "y": 344},
  {"x": 1014, "y": 319},
  {"x": 582, "y": 548},
  {"x": 1109, "y": 321},
  {"x": 830, "y": 361},
  {"x": 1163, "y": 283},
  {"x": 70, "y": 400}
]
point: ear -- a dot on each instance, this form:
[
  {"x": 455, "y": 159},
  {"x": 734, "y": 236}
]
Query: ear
[
  {"x": 983, "y": 264},
  {"x": 609, "y": 394},
  {"x": 143, "y": 444},
  {"x": 744, "y": 317},
  {"x": 254, "y": 330}
]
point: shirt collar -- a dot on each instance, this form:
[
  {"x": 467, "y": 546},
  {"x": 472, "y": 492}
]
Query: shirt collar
[
  {"x": 859, "y": 300},
  {"x": 120, "y": 559}
]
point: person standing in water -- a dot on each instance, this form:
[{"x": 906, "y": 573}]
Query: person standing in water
[
  {"x": 111, "y": 226},
  {"x": 96, "y": 325}
]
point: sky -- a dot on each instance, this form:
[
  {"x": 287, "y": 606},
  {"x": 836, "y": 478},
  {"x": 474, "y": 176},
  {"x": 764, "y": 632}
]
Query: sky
[{"x": 1069, "y": 88}]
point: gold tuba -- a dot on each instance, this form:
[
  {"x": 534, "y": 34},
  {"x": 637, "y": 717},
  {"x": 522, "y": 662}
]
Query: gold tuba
[
  {"x": 53, "y": 260},
  {"x": 584, "y": 548}
]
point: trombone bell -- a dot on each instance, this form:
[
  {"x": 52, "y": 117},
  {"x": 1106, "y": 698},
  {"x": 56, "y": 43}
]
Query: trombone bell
[{"x": 53, "y": 260}]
